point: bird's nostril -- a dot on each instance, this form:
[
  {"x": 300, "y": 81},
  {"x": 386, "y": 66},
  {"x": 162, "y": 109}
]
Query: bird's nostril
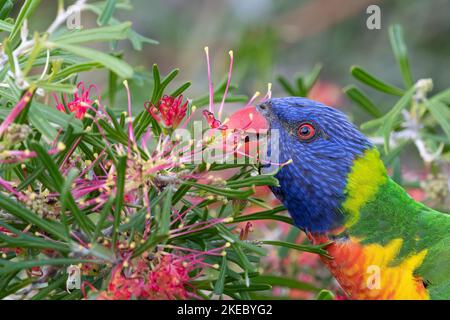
[{"x": 263, "y": 106}]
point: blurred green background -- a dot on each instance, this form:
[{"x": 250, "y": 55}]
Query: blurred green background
[{"x": 271, "y": 37}]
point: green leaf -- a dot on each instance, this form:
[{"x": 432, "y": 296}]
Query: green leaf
[
  {"x": 56, "y": 87},
  {"x": 165, "y": 82},
  {"x": 6, "y": 26},
  {"x": 226, "y": 192},
  {"x": 291, "y": 237},
  {"x": 15, "y": 287},
  {"x": 107, "y": 12},
  {"x": 242, "y": 287},
  {"x": 165, "y": 213},
  {"x": 116, "y": 65},
  {"x": 180, "y": 89},
  {"x": 53, "y": 285},
  {"x": 9, "y": 95},
  {"x": 135, "y": 38},
  {"x": 49, "y": 164},
  {"x": 204, "y": 100},
  {"x": 52, "y": 115},
  {"x": 5, "y": 8},
  {"x": 243, "y": 259},
  {"x": 325, "y": 295},
  {"x": 75, "y": 69},
  {"x": 253, "y": 217},
  {"x": 25, "y": 12},
  {"x": 101, "y": 220},
  {"x": 65, "y": 194},
  {"x": 18, "y": 210},
  {"x": 156, "y": 83},
  {"x": 62, "y": 187},
  {"x": 120, "y": 193},
  {"x": 301, "y": 90},
  {"x": 9, "y": 53},
  {"x": 441, "y": 113},
  {"x": 32, "y": 55},
  {"x": 260, "y": 180},
  {"x": 24, "y": 240},
  {"x": 285, "y": 282},
  {"x": 443, "y": 96},
  {"x": 265, "y": 215},
  {"x": 401, "y": 53},
  {"x": 13, "y": 266},
  {"x": 306, "y": 248},
  {"x": 286, "y": 86},
  {"x": 392, "y": 114},
  {"x": 362, "y": 100},
  {"x": 220, "y": 282},
  {"x": 312, "y": 77},
  {"x": 109, "y": 33},
  {"x": 374, "y": 82},
  {"x": 42, "y": 125},
  {"x": 112, "y": 87}
]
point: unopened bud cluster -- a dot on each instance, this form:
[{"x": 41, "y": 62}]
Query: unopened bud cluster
[
  {"x": 436, "y": 187},
  {"x": 41, "y": 204},
  {"x": 14, "y": 134}
]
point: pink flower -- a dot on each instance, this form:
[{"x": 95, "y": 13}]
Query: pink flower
[
  {"x": 327, "y": 93},
  {"x": 170, "y": 110},
  {"x": 168, "y": 279},
  {"x": 80, "y": 103},
  {"x": 417, "y": 194},
  {"x": 247, "y": 118}
]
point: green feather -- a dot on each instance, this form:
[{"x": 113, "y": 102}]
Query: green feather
[{"x": 393, "y": 214}]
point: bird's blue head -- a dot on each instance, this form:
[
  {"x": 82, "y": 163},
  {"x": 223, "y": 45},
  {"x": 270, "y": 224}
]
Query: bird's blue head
[{"x": 322, "y": 144}]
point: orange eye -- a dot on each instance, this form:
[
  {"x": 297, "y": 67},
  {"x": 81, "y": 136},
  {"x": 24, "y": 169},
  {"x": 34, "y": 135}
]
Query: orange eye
[{"x": 306, "y": 131}]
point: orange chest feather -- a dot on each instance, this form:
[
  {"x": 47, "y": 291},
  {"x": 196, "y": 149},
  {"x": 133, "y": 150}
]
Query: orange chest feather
[{"x": 367, "y": 271}]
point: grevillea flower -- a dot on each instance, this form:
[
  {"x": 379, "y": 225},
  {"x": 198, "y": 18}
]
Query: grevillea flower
[
  {"x": 168, "y": 279},
  {"x": 170, "y": 110},
  {"x": 80, "y": 103},
  {"x": 327, "y": 93}
]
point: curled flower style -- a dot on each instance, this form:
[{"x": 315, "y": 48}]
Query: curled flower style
[{"x": 80, "y": 103}]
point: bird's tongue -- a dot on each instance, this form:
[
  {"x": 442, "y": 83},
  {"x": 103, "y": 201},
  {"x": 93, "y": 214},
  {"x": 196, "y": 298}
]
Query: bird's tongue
[{"x": 247, "y": 118}]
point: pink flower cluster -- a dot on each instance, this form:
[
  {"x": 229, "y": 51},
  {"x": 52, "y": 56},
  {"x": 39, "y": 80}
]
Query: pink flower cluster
[
  {"x": 80, "y": 103},
  {"x": 167, "y": 280},
  {"x": 169, "y": 110}
]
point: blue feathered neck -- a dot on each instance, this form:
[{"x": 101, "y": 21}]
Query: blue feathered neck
[{"x": 312, "y": 186}]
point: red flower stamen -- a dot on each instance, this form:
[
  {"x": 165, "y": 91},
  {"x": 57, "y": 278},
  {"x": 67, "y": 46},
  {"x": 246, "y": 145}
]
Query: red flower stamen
[{"x": 80, "y": 103}]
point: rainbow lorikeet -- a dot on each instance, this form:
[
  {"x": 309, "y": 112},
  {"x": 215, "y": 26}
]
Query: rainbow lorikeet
[{"x": 383, "y": 244}]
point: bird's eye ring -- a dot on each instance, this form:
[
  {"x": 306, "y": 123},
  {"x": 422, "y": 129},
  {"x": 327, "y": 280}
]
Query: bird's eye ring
[{"x": 306, "y": 131}]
